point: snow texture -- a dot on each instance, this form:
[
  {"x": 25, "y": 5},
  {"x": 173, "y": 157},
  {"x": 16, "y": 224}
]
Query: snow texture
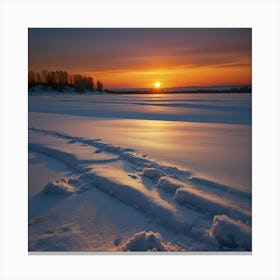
[
  {"x": 147, "y": 241},
  {"x": 163, "y": 214},
  {"x": 58, "y": 186},
  {"x": 66, "y": 237},
  {"x": 168, "y": 185},
  {"x": 231, "y": 233},
  {"x": 209, "y": 203},
  {"x": 108, "y": 165},
  {"x": 152, "y": 173},
  {"x": 137, "y": 199},
  {"x": 69, "y": 159},
  {"x": 220, "y": 187}
]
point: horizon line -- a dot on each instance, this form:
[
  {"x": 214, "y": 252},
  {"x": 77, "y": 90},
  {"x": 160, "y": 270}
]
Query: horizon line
[{"x": 195, "y": 86}]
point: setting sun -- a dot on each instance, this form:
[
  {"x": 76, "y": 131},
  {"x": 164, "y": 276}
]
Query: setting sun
[{"x": 157, "y": 85}]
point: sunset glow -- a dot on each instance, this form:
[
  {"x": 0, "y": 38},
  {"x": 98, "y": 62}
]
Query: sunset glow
[
  {"x": 157, "y": 85},
  {"x": 139, "y": 57}
]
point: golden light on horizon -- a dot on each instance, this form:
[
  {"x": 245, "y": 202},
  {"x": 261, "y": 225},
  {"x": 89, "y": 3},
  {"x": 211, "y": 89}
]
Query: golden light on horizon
[
  {"x": 157, "y": 85},
  {"x": 157, "y": 78}
]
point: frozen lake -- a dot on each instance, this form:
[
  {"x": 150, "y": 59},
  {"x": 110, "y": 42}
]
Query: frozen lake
[
  {"x": 107, "y": 172},
  {"x": 209, "y": 134}
]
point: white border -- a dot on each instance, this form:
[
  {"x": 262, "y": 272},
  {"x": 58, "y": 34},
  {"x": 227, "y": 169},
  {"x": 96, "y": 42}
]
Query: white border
[{"x": 262, "y": 16}]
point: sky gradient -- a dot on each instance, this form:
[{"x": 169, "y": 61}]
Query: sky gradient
[{"x": 140, "y": 57}]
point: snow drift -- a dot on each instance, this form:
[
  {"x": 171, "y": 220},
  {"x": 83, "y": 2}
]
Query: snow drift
[
  {"x": 152, "y": 173},
  {"x": 147, "y": 241},
  {"x": 139, "y": 200},
  {"x": 58, "y": 186},
  {"x": 231, "y": 233},
  {"x": 69, "y": 159},
  {"x": 208, "y": 203},
  {"x": 168, "y": 185}
]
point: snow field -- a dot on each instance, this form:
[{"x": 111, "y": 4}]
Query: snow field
[{"x": 199, "y": 207}]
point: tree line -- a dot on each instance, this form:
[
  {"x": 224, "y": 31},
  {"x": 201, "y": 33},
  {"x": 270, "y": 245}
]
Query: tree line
[{"x": 60, "y": 80}]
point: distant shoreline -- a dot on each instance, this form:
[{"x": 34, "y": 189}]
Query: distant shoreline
[
  {"x": 190, "y": 91},
  {"x": 44, "y": 89}
]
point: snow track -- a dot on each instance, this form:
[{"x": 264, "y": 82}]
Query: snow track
[{"x": 171, "y": 197}]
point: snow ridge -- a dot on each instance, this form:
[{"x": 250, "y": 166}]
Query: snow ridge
[
  {"x": 147, "y": 241},
  {"x": 141, "y": 162},
  {"x": 189, "y": 210},
  {"x": 231, "y": 233}
]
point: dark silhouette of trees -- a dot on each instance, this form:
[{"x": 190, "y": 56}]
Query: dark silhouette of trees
[
  {"x": 89, "y": 83},
  {"x": 99, "y": 86},
  {"x": 61, "y": 80},
  {"x": 50, "y": 78},
  {"x": 44, "y": 74},
  {"x": 31, "y": 78},
  {"x": 82, "y": 83},
  {"x": 78, "y": 82},
  {"x": 38, "y": 78}
]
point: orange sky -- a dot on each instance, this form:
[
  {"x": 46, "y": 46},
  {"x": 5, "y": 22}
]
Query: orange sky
[
  {"x": 129, "y": 57},
  {"x": 177, "y": 76}
]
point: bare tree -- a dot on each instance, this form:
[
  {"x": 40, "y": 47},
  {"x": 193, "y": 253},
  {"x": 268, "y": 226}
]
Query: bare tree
[
  {"x": 44, "y": 74},
  {"x": 38, "y": 78},
  {"x": 31, "y": 78},
  {"x": 99, "y": 86},
  {"x": 59, "y": 79}
]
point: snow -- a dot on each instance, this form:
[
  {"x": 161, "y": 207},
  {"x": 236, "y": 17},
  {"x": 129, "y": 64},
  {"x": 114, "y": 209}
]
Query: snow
[
  {"x": 58, "y": 186},
  {"x": 131, "y": 181},
  {"x": 67, "y": 158},
  {"x": 231, "y": 233},
  {"x": 61, "y": 239},
  {"x": 152, "y": 173},
  {"x": 48, "y": 91},
  {"x": 41, "y": 169},
  {"x": 147, "y": 241},
  {"x": 209, "y": 203},
  {"x": 168, "y": 185},
  {"x": 183, "y": 144}
]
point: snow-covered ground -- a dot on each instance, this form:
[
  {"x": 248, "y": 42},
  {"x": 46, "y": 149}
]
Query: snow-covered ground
[{"x": 138, "y": 172}]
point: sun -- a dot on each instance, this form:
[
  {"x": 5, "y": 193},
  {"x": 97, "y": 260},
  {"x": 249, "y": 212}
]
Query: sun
[{"x": 157, "y": 85}]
